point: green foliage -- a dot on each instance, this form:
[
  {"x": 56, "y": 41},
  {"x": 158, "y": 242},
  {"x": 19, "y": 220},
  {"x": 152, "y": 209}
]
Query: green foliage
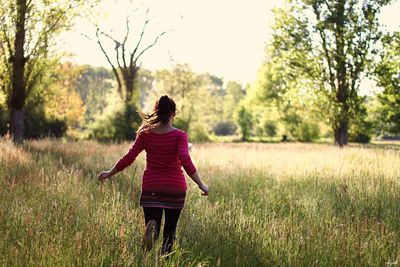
[
  {"x": 93, "y": 84},
  {"x": 234, "y": 94},
  {"x": 306, "y": 132},
  {"x": 27, "y": 40},
  {"x": 245, "y": 121},
  {"x": 224, "y": 128},
  {"x": 198, "y": 134},
  {"x": 269, "y": 128},
  {"x": 38, "y": 124},
  {"x": 61, "y": 100},
  {"x": 359, "y": 137},
  {"x": 53, "y": 108},
  {"x": 324, "y": 46},
  {"x": 361, "y": 128},
  {"x": 300, "y": 128},
  {"x": 195, "y": 95},
  {"x": 118, "y": 126},
  {"x": 182, "y": 124},
  {"x": 4, "y": 120},
  {"x": 284, "y": 99},
  {"x": 387, "y": 74},
  {"x": 44, "y": 21},
  {"x": 284, "y": 104}
]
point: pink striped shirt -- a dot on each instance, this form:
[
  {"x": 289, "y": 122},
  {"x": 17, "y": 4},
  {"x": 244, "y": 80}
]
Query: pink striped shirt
[{"x": 165, "y": 155}]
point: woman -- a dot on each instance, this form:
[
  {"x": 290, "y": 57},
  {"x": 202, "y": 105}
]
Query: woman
[{"x": 163, "y": 182}]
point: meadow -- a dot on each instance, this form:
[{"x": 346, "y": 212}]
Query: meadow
[{"x": 269, "y": 204}]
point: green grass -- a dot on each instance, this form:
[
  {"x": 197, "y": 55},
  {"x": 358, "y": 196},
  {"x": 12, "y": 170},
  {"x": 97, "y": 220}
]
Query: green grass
[{"x": 269, "y": 204}]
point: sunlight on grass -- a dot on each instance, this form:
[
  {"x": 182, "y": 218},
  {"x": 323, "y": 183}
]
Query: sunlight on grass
[{"x": 269, "y": 204}]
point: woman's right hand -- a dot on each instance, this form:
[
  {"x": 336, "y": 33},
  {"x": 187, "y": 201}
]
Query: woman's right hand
[
  {"x": 204, "y": 188},
  {"x": 104, "y": 175}
]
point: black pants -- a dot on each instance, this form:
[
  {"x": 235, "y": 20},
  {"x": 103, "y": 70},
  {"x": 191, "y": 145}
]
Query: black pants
[{"x": 170, "y": 222}]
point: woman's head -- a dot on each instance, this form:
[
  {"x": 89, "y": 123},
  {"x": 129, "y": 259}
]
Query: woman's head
[{"x": 164, "y": 109}]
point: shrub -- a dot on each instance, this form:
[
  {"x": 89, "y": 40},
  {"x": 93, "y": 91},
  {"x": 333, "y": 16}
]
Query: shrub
[
  {"x": 360, "y": 138},
  {"x": 119, "y": 126},
  {"x": 182, "y": 124},
  {"x": 40, "y": 126},
  {"x": 245, "y": 121},
  {"x": 306, "y": 132},
  {"x": 4, "y": 120},
  {"x": 360, "y": 131},
  {"x": 224, "y": 128},
  {"x": 198, "y": 134},
  {"x": 269, "y": 128}
]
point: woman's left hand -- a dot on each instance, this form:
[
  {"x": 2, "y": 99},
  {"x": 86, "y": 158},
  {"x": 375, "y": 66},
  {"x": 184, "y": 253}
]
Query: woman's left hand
[{"x": 204, "y": 188}]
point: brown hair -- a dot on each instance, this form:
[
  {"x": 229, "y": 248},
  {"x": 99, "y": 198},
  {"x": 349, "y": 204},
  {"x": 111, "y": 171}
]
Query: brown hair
[{"x": 162, "y": 111}]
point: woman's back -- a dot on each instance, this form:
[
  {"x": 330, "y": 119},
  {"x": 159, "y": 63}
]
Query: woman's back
[
  {"x": 166, "y": 153},
  {"x": 162, "y": 150}
]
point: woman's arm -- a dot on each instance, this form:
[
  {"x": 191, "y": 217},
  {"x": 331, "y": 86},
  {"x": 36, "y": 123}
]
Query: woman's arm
[
  {"x": 188, "y": 165},
  {"x": 126, "y": 160},
  {"x": 196, "y": 178},
  {"x": 107, "y": 174}
]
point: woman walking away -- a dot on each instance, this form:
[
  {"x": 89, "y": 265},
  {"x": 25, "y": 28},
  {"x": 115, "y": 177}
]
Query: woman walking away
[{"x": 163, "y": 182}]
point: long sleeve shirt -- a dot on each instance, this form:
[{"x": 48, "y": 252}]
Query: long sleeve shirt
[{"x": 166, "y": 154}]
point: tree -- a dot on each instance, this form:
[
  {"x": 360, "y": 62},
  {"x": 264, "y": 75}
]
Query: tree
[
  {"x": 92, "y": 85},
  {"x": 62, "y": 102},
  {"x": 27, "y": 33},
  {"x": 280, "y": 100},
  {"x": 234, "y": 93},
  {"x": 337, "y": 38},
  {"x": 195, "y": 97},
  {"x": 245, "y": 121},
  {"x": 183, "y": 86},
  {"x": 125, "y": 62},
  {"x": 387, "y": 74}
]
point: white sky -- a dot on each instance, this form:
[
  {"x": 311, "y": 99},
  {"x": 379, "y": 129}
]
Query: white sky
[{"x": 223, "y": 37}]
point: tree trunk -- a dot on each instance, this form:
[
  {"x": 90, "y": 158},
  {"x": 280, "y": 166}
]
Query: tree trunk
[
  {"x": 129, "y": 88},
  {"x": 129, "y": 76},
  {"x": 341, "y": 134},
  {"x": 18, "y": 83},
  {"x": 342, "y": 95},
  {"x": 17, "y": 125}
]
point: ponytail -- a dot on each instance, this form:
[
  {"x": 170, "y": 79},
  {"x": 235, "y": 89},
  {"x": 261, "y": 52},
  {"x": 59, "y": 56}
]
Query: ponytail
[{"x": 162, "y": 111}]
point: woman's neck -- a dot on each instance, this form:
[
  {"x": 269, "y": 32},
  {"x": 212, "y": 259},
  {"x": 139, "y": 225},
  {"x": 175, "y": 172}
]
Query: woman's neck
[
  {"x": 163, "y": 127},
  {"x": 166, "y": 125}
]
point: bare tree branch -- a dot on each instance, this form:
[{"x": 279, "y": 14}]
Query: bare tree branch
[
  {"x": 140, "y": 39},
  {"x": 126, "y": 68},
  {"x": 150, "y": 46},
  {"x": 88, "y": 37},
  {"x": 104, "y": 33},
  {"x": 117, "y": 47},
  {"x": 110, "y": 62},
  {"x": 124, "y": 42}
]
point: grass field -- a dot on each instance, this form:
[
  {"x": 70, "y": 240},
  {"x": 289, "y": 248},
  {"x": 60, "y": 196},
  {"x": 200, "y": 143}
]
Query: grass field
[{"x": 269, "y": 204}]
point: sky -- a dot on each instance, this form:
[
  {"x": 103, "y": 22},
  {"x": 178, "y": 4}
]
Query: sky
[{"x": 222, "y": 37}]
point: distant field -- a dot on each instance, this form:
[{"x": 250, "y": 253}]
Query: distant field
[{"x": 270, "y": 204}]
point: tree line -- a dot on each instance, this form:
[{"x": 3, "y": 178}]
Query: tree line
[{"x": 308, "y": 86}]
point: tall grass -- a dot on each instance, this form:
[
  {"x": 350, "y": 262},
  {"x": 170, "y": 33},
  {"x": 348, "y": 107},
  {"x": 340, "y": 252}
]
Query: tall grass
[{"x": 269, "y": 204}]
